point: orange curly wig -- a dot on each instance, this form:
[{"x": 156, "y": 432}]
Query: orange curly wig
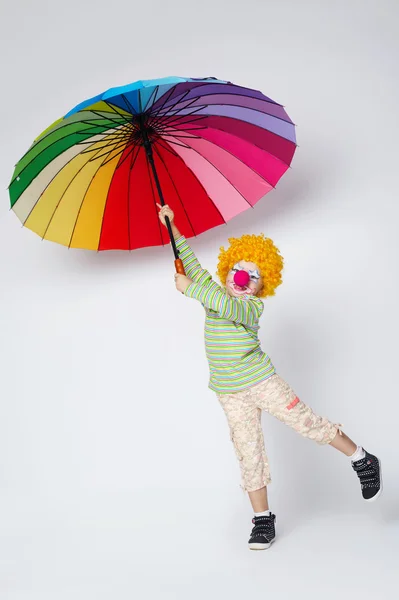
[{"x": 259, "y": 250}]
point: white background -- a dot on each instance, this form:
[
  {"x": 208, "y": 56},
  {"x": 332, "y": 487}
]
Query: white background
[{"x": 117, "y": 475}]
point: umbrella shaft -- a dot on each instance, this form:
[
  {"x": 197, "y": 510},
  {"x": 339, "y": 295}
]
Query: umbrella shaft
[{"x": 150, "y": 156}]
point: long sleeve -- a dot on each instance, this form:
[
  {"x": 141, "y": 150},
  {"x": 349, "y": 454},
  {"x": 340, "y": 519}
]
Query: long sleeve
[
  {"x": 246, "y": 310},
  {"x": 191, "y": 265}
]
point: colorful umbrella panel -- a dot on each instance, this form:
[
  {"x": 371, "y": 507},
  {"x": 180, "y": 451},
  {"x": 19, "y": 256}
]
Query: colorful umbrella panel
[{"x": 218, "y": 149}]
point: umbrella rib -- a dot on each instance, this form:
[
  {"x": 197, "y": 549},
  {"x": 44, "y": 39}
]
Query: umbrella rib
[
  {"x": 224, "y": 176},
  {"x": 179, "y": 136},
  {"x": 157, "y": 111},
  {"x": 160, "y": 108},
  {"x": 172, "y": 110},
  {"x": 179, "y": 97},
  {"x": 65, "y": 122},
  {"x": 241, "y": 161},
  {"x": 92, "y": 122},
  {"x": 113, "y": 136},
  {"x": 111, "y": 115},
  {"x": 49, "y": 183},
  {"x": 62, "y": 196},
  {"x": 131, "y": 151},
  {"x": 199, "y": 128},
  {"x": 164, "y": 126},
  {"x": 173, "y": 119},
  {"x": 158, "y": 142},
  {"x": 165, "y": 119},
  {"x": 195, "y": 98},
  {"x": 244, "y": 107},
  {"x": 132, "y": 163},
  {"x": 185, "y": 130},
  {"x": 105, "y": 207},
  {"x": 168, "y": 96},
  {"x": 129, "y": 105},
  {"x": 253, "y": 143},
  {"x": 116, "y": 148},
  {"x": 140, "y": 103},
  {"x": 117, "y": 140},
  {"x": 251, "y": 168},
  {"x": 223, "y": 87},
  {"x": 109, "y": 118},
  {"x": 182, "y": 144},
  {"x": 106, "y": 201},
  {"x": 161, "y": 140},
  {"x": 182, "y": 95},
  {"x": 62, "y": 125},
  {"x": 173, "y": 104},
  {"x": 94, "y": 126},
  {"x": 96, "y": 150},
  {"x": 174, "y": 185},
  {"x": 113, "y": 133},
  {"x": 153, "y": 93},
  {"x": 117, "y": 110},
  {"x": 53, "y": 144},
  {"x": 112, "y": 109},
  {"x": 182, "y": 120},
  {"x": 159, "y": 124},
  {"x": 108, "y": 152},
  {"x": 201, "y": 185},
  {"x": 81, "y": 205}
]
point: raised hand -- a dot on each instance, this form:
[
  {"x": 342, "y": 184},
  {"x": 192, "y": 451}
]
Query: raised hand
[{"x": 165, "y": 211}]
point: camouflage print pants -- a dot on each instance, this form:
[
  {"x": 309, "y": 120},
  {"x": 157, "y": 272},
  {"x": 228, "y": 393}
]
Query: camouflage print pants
[{"x": 244, "y": 409}]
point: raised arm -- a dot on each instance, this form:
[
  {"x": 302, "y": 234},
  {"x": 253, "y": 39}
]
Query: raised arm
[
  {"x": 191, "y": 265},
  {"x": 246, "y": 310}
]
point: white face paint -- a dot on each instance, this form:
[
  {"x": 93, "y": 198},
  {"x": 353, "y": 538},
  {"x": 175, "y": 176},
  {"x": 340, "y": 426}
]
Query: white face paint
[{"x": 255, "y": 279}]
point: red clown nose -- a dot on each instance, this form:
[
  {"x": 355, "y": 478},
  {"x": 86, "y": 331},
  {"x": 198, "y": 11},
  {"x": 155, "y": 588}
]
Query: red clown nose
[{"x": 241, "y": 278}]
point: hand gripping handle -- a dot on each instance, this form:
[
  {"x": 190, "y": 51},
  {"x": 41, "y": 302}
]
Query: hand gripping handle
[{"x": 179, "y": 266}]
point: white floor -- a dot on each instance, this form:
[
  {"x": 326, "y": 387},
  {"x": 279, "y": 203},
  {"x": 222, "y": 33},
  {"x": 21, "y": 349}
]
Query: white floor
[{"x": 170, "y": 543}]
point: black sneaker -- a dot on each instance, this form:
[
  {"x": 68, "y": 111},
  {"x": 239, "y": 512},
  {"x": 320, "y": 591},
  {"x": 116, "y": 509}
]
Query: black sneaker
[
  {"x": 368, "y": 470},
  {"x": 263, "y": 534}
]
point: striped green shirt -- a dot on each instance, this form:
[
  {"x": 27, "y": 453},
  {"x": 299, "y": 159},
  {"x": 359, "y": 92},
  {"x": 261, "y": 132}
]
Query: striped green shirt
[{"x": 236, "y": 360}]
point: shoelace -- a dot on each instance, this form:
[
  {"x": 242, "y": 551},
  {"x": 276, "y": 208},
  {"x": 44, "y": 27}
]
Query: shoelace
[
  {"x": 367, "y": 472},
  {"x": 264, "y": 526}
]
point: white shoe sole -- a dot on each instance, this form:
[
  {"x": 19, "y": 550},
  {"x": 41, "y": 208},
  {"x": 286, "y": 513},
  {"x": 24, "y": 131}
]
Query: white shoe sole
[
  {"x": 260, "y": 546},
  {"x": 378, "y": 494}
]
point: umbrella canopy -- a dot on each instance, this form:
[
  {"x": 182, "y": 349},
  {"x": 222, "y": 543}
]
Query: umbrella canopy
[{"x": 217, "y": 148}]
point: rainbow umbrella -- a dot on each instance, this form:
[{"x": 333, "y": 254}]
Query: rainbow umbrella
[{"x": 210, "y": 148}]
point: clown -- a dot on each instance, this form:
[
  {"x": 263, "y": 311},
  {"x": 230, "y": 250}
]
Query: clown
[
  {"x": 252, "y": 265},
  {"x": 242, "y": 374}
]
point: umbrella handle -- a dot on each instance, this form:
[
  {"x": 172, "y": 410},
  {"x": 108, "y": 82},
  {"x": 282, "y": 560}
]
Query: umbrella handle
[{"x": 179, "y": 266}]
